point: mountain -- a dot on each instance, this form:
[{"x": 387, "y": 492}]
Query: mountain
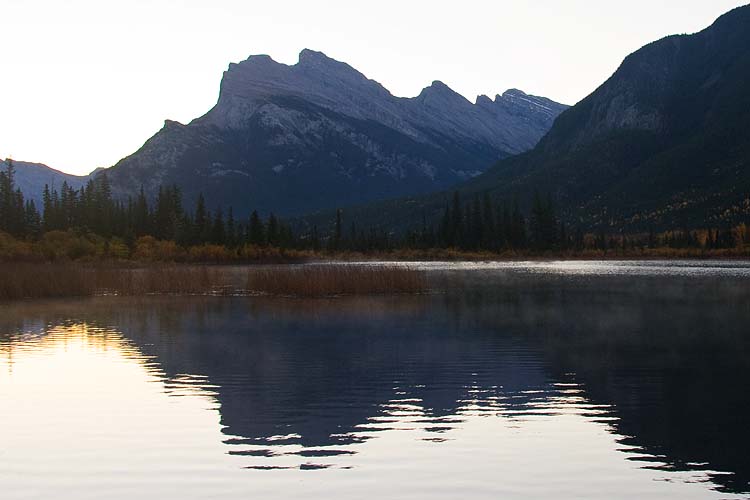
[
  {"x": 319, "y": 134},
  {"x": 662, "y": 144},
  {"x": 31, "y": 178}
]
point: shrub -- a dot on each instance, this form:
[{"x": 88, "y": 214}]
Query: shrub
[
  {"x": 149, "y": 249},
  {"x": 13, "y": 249},
  {"x": 61, "y": 245}
]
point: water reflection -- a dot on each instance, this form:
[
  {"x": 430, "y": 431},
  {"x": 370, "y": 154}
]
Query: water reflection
[{"x": 508, "y": 369}]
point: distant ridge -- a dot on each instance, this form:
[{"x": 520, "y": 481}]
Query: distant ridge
[{"x": 31, "y": 178}]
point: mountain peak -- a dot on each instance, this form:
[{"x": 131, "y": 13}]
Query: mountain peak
[
  {"x": 483, "y": 100},
  {"x": 255, "y": 60},
  {"x": 307, "y": 56},
  {"x": 514, "y": 93},
  {"x": 441, "y": 91},
  {"x": 320, "y": 126}
]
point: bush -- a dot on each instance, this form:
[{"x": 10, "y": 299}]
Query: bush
[
  {"x": 117, "y": 249},
  {"x": 211, "y": 253},
  {"x": 13, "y": 249},
  {"x": 61, "y": 245},
  {"x": 149, "y": 249}
]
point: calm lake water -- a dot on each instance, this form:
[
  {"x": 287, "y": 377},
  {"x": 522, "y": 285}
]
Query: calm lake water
[{"x": 526, "y": 380}]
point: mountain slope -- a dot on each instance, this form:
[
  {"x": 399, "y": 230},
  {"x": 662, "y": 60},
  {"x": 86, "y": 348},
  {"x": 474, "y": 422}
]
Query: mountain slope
[
  {"x": 662, "y": 144},
  {"x": 319, "y": 134}
]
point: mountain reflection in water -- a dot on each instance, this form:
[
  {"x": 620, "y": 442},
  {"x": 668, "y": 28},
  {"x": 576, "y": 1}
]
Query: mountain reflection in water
[{"x": 658, "y": 363}]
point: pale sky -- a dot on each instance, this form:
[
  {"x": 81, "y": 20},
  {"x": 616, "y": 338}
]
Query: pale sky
[{"x": 87, "y": 82}]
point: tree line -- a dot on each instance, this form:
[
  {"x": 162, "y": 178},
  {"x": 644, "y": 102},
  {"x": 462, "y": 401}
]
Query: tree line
[
  {"x": 92, "y": 208},
  {"x": 479, "y": 224}
]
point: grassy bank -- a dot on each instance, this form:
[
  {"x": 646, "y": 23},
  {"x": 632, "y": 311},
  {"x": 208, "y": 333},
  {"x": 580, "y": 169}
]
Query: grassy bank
[{"x": 56, "y": 280}]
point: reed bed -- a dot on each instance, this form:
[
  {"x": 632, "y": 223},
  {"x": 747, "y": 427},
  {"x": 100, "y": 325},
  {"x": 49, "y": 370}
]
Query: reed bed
[
  {"x": 58, "y": 280},
  {"x": 172, "y": 279},
  {"x": 38, "y": 280},
  {"x": 328, "y": 280}
]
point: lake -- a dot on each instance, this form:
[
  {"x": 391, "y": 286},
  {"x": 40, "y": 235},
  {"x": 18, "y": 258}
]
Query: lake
[{"x": 521, "y": 380}]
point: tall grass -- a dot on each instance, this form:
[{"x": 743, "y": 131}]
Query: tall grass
[
  {"x": 324, "y": 280},
  {"x": 50, "y": 280},
  {"x": 35, "y": 281},
  {"x": 39, "y": 280},
  {"x": 165, "y": 279}
]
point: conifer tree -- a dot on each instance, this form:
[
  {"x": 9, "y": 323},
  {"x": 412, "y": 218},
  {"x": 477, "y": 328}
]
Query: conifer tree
[
  {"x": 336, "y": 237},
  {"x": 218, "y": 231},
  {"x": 272, "y": 231},
  {"x": 231, "y": 236},
  {"x": 255, "y": 230}
]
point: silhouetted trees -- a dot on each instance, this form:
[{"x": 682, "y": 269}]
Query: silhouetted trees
[
  {"x": 478, "y": 224},
  {"x": 12, "y": 209},
  {"x": 93, "y": 209}
]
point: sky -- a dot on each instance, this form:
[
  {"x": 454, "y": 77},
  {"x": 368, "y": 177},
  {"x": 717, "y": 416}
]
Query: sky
[{"x": 87, "y": 82}]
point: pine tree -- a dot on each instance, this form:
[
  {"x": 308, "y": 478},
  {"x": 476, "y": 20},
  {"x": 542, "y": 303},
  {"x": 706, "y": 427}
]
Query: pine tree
[
  {"x": 315, "y": 239},
  {"x": 517, "y": 227},
  {"x": 256, "y": 232},
  {"x": 6, "y": 188},
  {"x": 272, "y": 231},
  {"x": 231, "y": 237},
  {"x": 9, "y": 215},
  {"x": 456, "y": 220},
  {"x": 33, "y": 221},
  {"x": 446, "y": 226},
  {"x": 201, "y": 221},
  {"x": 475, "y": 225},
  {"x": 489, "y": 228},
  {"x": 336, "y": 237},
  {"x": 141, "y": 216},
  {"x": 218, "y": 230}
]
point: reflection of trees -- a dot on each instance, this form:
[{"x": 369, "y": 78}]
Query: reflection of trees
[
  {"x": 321, "y": 369},
  {"x": 671, "y": 356},
  {"x": 318, "y": 369}
]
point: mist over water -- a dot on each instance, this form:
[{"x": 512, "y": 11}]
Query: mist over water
[{"x": 572, "y": 380}]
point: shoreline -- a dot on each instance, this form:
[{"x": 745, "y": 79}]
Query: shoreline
[
  {"x": 448, "y": 256},
  {"x": 309, "y": 279}
]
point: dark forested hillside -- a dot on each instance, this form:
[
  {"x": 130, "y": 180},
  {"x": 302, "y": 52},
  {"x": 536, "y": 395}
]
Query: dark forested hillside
[{"x": 664, "y": 142}]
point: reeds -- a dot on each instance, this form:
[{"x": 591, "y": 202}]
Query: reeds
[
  {"x": 22, "y": 280},
  {"x": 51, "y": 280},
  {"x": 326, "y": 280},
  {"x": 40, "y": 280},
  {"x": 166, "y": 279}
]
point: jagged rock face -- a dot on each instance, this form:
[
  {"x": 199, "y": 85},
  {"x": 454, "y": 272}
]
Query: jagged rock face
[
  {"x": 319, "y": 134},
  {"x": 31, "y": 178}
]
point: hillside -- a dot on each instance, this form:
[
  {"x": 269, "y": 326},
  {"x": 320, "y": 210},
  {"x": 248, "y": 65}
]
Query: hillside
[{"x": 663, "y": 143}]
